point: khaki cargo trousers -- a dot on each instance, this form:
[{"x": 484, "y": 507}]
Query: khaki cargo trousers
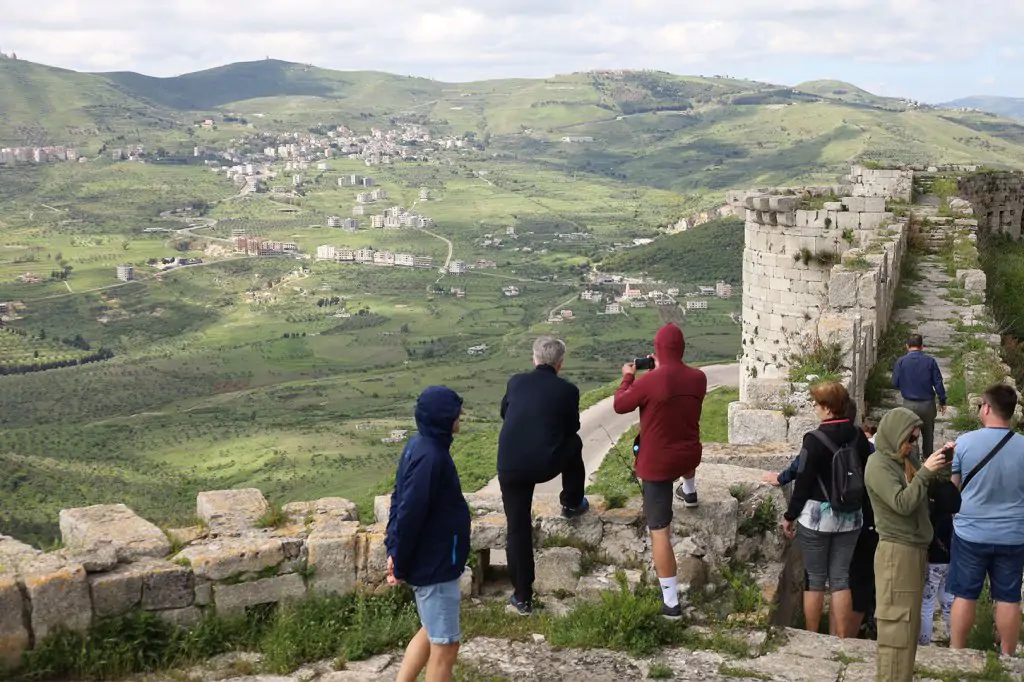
[{"x": 899, "y": 581}]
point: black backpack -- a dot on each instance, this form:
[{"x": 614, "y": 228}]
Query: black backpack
[{"x": 847, "y": 491}]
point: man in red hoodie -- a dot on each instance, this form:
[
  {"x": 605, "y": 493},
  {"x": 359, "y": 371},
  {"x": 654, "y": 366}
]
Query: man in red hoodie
[{"x": 670, "y": 398}]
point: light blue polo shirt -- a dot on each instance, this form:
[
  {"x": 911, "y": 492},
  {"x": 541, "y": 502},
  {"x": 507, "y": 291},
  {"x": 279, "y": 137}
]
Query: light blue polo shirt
[{"x": 992, "y": 511}]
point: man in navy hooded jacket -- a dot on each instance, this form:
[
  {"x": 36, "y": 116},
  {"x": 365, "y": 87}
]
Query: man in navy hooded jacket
[{"x": 428, "y": 534}]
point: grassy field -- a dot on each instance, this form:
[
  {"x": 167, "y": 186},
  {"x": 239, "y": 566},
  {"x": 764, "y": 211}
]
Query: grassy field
[{"x": 236, "y": 373}]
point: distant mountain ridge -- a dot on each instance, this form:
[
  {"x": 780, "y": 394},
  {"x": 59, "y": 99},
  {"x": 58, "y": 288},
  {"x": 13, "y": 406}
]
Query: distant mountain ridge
[
  {"x": 1010, "y": 107},
  {"x": 650, "y": 128}
]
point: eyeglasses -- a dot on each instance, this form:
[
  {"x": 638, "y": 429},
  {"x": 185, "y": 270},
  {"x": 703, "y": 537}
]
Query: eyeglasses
[{"x": 982, "y": 405}]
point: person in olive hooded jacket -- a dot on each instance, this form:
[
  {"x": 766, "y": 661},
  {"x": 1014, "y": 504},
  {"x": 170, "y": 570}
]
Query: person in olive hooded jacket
[{"x": 897, "y": 485}]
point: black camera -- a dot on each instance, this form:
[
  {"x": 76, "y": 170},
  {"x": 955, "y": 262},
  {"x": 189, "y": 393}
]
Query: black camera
[
  {"x": 948, "y": 454},
  {"x": 644, "y": 363}
]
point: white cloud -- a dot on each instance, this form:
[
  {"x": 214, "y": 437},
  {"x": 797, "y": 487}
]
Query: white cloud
[{"x": 464, "y": 39}]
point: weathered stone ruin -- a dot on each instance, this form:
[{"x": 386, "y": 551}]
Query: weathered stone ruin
[
  {"x": 996, "y": 200},
  {"x": 114, "y": 562},
  {"x": 810, "y": 277}
]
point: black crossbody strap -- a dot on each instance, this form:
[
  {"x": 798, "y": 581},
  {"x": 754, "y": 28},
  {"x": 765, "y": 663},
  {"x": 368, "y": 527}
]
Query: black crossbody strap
[{"x": 988, "y": 458}]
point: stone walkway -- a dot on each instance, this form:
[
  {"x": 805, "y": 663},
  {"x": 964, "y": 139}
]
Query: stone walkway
[
  {"x": 792, "y": 656},
  {"x": 934, "y": 315}
]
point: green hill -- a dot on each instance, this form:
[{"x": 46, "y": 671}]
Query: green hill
[
  {"x": 43, "y": 105},
  {"x": 223, "y": 85},
  {"x": 707, "y": 253},
  {"x": 849, "y": 93},
  {"x": 1010, "y": 107},
  {"x": 651, "y": 128}
]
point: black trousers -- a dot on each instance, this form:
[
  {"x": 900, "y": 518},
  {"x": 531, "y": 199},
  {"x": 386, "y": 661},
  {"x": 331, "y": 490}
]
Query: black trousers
[{"x": 517, "y": 497}]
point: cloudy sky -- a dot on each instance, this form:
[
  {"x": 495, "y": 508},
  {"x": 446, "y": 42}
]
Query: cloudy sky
[{"x": 932, "y": 50}]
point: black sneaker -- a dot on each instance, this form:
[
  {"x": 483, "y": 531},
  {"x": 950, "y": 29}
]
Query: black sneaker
[
  {"x": 573, "y": 512},
  {"x": 523, "y": 608},
  {"x": 689, "y": 499},
  {"x": 671, "y": 612}
]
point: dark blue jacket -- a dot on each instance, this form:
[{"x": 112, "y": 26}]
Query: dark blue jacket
[
  {"x": 917, "y": 376},
  {"x": 428, "y": 527}
]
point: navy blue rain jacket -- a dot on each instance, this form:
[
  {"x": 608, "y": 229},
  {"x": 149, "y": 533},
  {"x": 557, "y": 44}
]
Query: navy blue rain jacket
[{"x": 428, "y": 527}]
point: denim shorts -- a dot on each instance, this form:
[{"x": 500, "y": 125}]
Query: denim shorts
[
  {"x": 970, "y": 562},
  {"x": 438, "y": 606}
]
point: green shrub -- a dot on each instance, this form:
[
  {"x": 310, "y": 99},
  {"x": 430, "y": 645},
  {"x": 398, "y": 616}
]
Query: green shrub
[
  {"x": 351, "y": 627},
  {"x": 621, "y": 621}
]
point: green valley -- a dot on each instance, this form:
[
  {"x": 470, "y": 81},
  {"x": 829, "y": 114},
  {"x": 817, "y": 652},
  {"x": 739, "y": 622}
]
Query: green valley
[{"x": 484, "y": 213}]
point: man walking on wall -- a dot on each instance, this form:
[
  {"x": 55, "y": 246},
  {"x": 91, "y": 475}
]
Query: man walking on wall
[
  {"x": 670, "y": 398},
  {"x": 539, "y": 440},
  {"x": 428, "y": 535},
  {"x": 919, "y": 381}
]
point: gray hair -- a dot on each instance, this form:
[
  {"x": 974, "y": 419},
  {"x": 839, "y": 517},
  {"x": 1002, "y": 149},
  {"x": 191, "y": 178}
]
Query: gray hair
[{"x": 547, "y": 350}]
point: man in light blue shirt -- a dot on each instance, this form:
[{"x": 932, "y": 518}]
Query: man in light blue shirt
[{"x": 988, "y": 533}]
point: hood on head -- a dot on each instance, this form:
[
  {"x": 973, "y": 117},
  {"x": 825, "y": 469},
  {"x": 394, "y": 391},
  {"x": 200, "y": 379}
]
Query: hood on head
[
  {"x": 437, "y": 408},
  {"x": 669, "y": 344},
  {"x": 894, "y": 429}
]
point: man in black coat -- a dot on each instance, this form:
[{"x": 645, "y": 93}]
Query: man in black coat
[{"x": 539, "y": 440}]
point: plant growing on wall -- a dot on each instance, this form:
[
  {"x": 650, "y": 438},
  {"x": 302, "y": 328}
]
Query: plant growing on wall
[
  {"x": 814, "y": 356},
  {"x": 827, "y": 258},
  {"x": 848, "y": 236}
]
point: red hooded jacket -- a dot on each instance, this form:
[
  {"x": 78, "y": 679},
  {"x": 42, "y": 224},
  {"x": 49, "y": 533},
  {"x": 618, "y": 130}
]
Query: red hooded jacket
[{"x": 670, "y": 398}]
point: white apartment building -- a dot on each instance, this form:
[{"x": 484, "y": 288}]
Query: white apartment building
[
  {"x": 376, "y": 221},
  {"x": 326, "y": 252},
  {"x": 696, "y": 305},
  {"x": 334, "y": 221},
  {"x": 125, "y": 273},
  {"x": 723, "y": 290},
  {"x": 457, "y": 267}
]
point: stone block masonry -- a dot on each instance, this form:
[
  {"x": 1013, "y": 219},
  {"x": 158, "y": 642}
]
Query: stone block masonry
[
  {"x": 320, "y": 548},
  {"x": 823, "y": 274},
  {"x": 997, "y": 201}
]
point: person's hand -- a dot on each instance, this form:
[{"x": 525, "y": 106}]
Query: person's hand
[
  {"x": 936, "y": 461},
  {"x": 788, "y": 528},
  {"x": 629, "y": 369},
  {"x": 654, "y": 361},
  {"x": 942, "y": 409},
  {"x": 770, "y": 478},
  {"x": 392, "y": 580}
]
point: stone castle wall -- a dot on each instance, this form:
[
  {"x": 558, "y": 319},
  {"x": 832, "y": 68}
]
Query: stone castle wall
[
  {"x": 813, "y": 276},
  {"x": 114, "y": 562},
  {"x": 997, "y": 200}
]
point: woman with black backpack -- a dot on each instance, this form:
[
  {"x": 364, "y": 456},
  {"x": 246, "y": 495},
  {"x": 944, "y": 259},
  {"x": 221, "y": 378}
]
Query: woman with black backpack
[{"x": 825, "y": 510}]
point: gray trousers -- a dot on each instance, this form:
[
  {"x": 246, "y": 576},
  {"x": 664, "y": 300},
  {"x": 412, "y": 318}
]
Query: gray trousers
[
  {"x": 927, "y": 411},
  {"x": 827, "y": 557}
]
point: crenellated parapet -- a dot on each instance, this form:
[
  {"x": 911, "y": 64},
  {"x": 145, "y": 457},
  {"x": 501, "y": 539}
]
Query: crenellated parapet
[{"x": 820, "y": 270}]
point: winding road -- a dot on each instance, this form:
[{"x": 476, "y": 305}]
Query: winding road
[{"x": 601, "y": 428}]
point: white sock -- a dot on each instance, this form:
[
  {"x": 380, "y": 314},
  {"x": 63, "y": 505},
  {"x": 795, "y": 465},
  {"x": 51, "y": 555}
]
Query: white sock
[
  {"x": 689, "y": 485},
  {"x": 669, "y": 591}
]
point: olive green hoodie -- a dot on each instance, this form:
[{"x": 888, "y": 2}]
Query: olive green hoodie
[{"x": 901, "y": 509}]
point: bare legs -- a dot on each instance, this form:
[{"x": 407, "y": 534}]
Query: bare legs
[{"x": 438, "y": 659}]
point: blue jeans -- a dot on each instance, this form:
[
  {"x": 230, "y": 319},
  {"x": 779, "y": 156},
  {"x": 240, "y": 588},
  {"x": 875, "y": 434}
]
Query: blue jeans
[
  {"x": 438, "y": 606},
  {"x": 970, "y": 562}
]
